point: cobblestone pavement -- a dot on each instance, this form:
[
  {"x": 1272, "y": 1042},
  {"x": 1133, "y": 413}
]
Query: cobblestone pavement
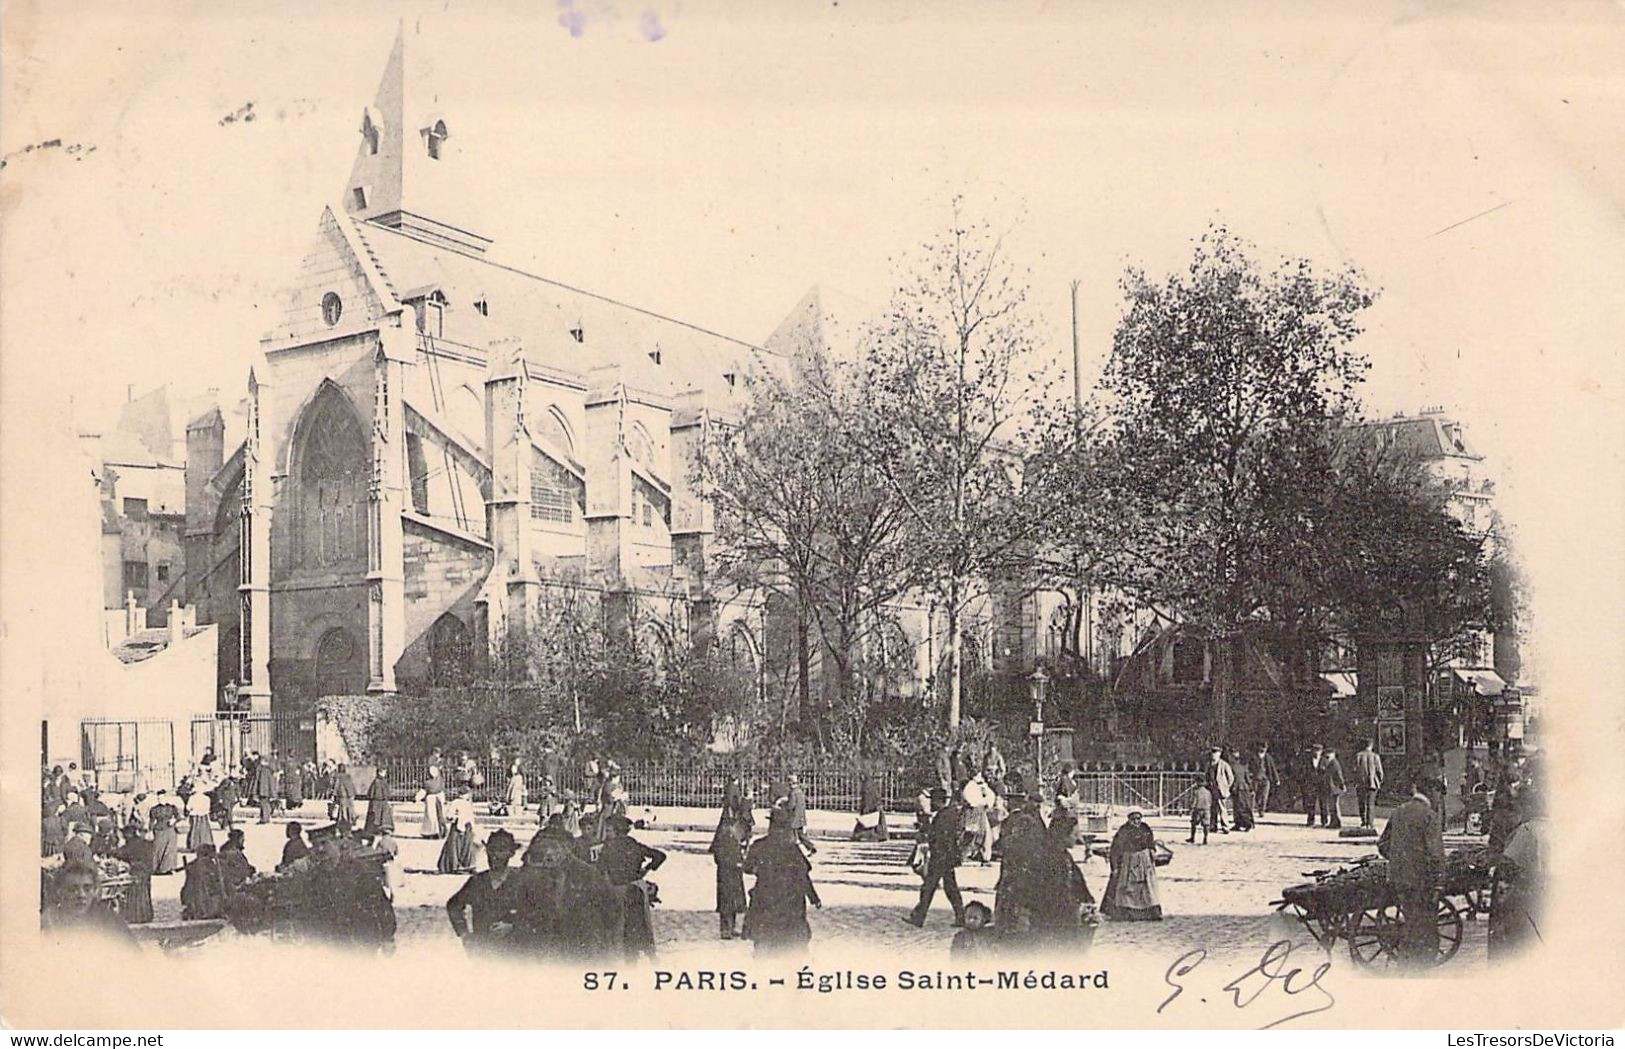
[{"x": 1216, "y": 897}]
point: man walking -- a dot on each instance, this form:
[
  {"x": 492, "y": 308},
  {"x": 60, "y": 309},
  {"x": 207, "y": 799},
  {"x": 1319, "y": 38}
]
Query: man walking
[
  {"x": 1414, "y": 847},
  {"x": 1309, "y": 784},
  {"x": 1332, "y": 786},
  {"x": 1266, "y": 777},
  {"x": 1221, "y": 783},
  {"x": 264, "y": 786},
  {"x": 942, "y": 841},
  {"x": 1367, "y": 780},
  {"x": 797, "y": 803}
]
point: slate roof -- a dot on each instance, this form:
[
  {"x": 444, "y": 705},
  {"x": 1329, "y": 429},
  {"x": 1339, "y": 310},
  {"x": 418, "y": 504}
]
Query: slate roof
[{"x": 543, "y": 312}]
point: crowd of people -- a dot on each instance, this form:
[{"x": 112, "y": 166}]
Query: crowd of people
[{"x": 581, "y": 887}]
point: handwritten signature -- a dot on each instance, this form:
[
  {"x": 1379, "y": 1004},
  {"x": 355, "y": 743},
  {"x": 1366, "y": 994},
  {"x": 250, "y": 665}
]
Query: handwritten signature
[{"x": 1272, "y": 973}]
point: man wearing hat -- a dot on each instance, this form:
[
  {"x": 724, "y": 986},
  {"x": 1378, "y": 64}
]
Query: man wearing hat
[
  {"x": 346, "y": 901},
  {"x": 625, "y": 861},
  {"x": 482, "y": 912},
  {"x": 776, "y": 921},
  {"x": 942, "y": 841},
  {"x": 1221, "y": 783},
  {"x": 1022, "y": 844},
  {"x": 76, "y": 849},
  {"x": 564, "y": 907},
  {"x": 1309, "y": 784}
]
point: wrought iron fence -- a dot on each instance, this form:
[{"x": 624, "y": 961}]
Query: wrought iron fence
[
  {"x": 836, "y": 788},
  {"x": 126, "y": 754},
  {"x": 1163, "y": 792},
  {"x": 232, "y": 734}
]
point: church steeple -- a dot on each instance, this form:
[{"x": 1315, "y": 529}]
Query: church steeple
[{"x": 406, "y": 172}]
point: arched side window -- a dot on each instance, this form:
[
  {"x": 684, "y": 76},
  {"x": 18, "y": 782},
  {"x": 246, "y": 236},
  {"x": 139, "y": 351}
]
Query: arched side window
[
  {"x": 330, "y": 498},
  {"x": 230, "y": 511},
  {"x": 641, "y": 445},
  {"x": 417, "y": 473},
  {"x": 551, "y": 427},
  {"x": 451, "y": 651},
  {"x": 741, "y": 652},
  {"x": 556, "y": 495},
  {"x": 338, "y": 665},
  {"x": 1060, "y": 623}
]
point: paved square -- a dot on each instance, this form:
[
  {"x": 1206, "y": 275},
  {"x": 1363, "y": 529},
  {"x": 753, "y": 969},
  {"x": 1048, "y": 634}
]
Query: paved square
[{"x": 1216, "y": 896}]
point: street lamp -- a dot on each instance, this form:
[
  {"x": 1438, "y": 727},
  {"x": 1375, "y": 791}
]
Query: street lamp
[{"x": 1036, "y": 681}]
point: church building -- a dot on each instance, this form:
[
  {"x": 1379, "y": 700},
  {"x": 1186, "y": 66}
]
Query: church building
[{"x": 433, "y": 437}]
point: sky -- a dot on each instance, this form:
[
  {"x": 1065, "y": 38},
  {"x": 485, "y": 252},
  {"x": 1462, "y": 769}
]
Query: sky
[{"x": 714, "y": 163}]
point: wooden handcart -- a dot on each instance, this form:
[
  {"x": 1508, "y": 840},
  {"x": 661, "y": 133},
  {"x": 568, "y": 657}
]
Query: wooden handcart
[{"x": 1358, "y": 905}]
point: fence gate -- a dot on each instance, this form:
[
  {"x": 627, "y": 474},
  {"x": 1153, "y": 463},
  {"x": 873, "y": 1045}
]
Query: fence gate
[
  {"x": 232, "y": 734},
  {"x": 125, "y": 754}
]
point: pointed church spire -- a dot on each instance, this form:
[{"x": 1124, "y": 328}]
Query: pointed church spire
[{"x": 407, "y": 174}]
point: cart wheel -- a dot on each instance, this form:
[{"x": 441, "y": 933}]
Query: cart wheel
[
  {"x": 1313, "y": 925},
  {"x": 1448, "y": 923},
  {"x": 1374, "y": 937}
]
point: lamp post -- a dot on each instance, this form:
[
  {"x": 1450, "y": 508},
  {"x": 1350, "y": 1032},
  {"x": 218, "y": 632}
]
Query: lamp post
[{"x": 1037, "y": 681}]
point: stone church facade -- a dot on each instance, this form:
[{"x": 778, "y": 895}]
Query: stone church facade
[{"x": 432, "y": 438}]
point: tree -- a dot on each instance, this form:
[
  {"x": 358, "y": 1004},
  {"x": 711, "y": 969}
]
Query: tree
[
  {"x": 1225, "y": 379},
  {"x": 946, "y": 370},
  {"x": 804, "y": 513},
  {"x": 1087, "y": 516}
]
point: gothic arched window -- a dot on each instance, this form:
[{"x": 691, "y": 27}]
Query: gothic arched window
[
  {"x": 550, "y": 426},
  {"x": 451, "y": 651},
  {"x": 330, "y": 511}
]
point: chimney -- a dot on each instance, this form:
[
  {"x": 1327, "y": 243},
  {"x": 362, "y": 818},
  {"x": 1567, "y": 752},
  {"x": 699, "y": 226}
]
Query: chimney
[
  {"x": 177, "y": 629},
  {"x": 133, "y": 618}
]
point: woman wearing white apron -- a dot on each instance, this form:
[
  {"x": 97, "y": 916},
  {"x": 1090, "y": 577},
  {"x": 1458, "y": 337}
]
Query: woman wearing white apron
[{"x": 434, "y": 804}]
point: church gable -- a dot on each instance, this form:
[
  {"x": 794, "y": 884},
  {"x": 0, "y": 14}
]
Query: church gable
[{"x": 333, "y": 294}]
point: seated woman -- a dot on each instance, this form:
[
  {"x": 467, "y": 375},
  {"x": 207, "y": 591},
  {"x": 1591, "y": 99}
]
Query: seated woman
[
  {"x": 137, "y": 852},
  {"x": 203, "y": 895},
  {"x": 234, "y": 866}
]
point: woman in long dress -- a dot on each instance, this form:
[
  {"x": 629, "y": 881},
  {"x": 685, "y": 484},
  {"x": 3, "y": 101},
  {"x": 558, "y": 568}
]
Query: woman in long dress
[
  {"x": 343, "y": 799},
  {"x": 380, "y": 813},
  {"x": 776, "y": 920},
  {"x": 293, "y": 785},
  {"x": 198, "y": 829},
  {"x": 1132, "y": 894},
  {"x": 516, "y": 789},
  {"x": 434, "y": 804},
  {"x": 871, "y": 807},
  {"x": 137, "y": 852},
  {"x": 1241, "y": 797},
  {"x": 457, "y": 855},
  {"x": 165, "y": 846}
]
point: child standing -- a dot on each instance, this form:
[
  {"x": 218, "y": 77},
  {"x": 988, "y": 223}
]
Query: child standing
[
  {"x": 1201, "y": 805},
  {"x": 727, "y": 849}
]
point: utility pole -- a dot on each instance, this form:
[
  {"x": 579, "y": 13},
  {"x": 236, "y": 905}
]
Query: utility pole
[{"x": 1077, "y": 353}]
